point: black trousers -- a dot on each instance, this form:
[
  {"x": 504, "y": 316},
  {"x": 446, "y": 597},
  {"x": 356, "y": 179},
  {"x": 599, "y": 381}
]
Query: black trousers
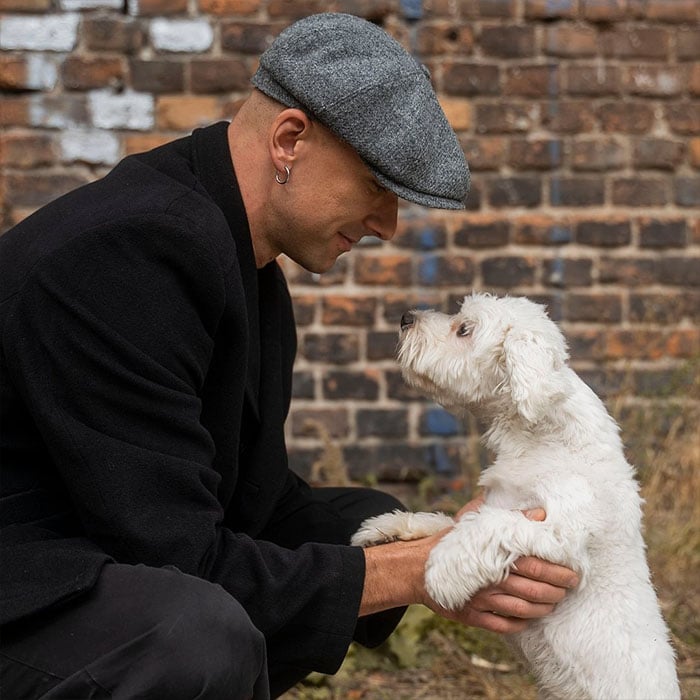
[{"x": 157, "y": 633}]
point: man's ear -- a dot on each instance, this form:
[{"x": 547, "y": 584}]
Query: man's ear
[
  {"x": 288, "y": 130},
  {"x": 533, "y": 370}
]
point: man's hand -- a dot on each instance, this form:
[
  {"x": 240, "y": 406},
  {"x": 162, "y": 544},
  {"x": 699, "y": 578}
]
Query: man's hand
[{"x": 395, "y": 576}]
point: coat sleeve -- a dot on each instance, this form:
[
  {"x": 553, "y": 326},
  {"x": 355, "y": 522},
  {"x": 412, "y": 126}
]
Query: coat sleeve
[{"x": 110, "y": 341}]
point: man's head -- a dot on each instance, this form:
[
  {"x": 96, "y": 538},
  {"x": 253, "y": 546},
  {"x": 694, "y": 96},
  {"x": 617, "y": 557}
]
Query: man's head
[{"x": 364, "y": 87}]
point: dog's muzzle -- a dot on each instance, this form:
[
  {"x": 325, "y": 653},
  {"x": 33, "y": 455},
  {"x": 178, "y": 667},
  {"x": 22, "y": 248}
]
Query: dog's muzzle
[{"x": 407, "y": 320}]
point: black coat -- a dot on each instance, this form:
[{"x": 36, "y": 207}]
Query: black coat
[{"x": 145, "y": 374}]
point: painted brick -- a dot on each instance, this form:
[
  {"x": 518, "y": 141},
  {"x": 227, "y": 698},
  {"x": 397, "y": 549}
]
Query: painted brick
[
  {"x": 183, "y": 113},
  {"x": 438, "y": 421},
  {"x": 551, "y": 9},
  {"x": 50, "y": 33},
  {"x": 28, "y": 72},
  {"x": 654, "y": 81},
  {"x": 567, "y": 272},
  {"x": 420, "y": 234},
  {"x": 95, "y": 147},
  {"x": 444, "y": 271},
  {"x": 58, "y": 111},
  {"x": 127, "y": 110},
  {"x": 181, "y": 35},
  {"x": 77, "y": 5}
]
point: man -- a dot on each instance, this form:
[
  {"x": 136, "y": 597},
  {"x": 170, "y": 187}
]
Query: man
[{"x": 154, "y": 542}]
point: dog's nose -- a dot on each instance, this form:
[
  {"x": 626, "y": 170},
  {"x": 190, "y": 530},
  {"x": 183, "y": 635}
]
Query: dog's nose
[{"x": 407, "y": 320}]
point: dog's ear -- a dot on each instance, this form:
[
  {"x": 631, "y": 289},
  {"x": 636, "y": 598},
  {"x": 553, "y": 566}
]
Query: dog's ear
[{"x": 533, "y": 369}]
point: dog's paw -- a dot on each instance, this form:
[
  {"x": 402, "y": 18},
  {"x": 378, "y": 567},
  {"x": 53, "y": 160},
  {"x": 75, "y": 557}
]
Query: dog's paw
[{"x": 399, "y": 525}]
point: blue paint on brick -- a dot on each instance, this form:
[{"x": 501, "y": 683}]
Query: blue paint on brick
[
  {"x": 560, "y": 234},
  {"x": 412, "y": 9},
  {"x": 428, "y": 239},
  {"x": 428, "y": 269},
  {"x": 440, "y": 422},
  {"x": 441, "y": 461}
]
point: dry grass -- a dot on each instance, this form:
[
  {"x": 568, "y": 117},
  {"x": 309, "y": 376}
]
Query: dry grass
[{"x": 431, "y": 659}]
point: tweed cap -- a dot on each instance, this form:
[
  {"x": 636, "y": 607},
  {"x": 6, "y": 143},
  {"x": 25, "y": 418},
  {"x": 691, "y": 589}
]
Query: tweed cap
[{"x": 361, "y": 84}]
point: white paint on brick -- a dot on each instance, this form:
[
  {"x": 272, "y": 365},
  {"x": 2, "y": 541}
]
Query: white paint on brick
[
  {"x": 126, "y": 110},
  {"x": 32, "y": 33},
  {"x": 50, "y": 113},
  {"x": 99, "y": 147},
  {"x": 41, "y": 72},
  {"x": 181, "y": 35},
  {"x": 90, "y": 4}
]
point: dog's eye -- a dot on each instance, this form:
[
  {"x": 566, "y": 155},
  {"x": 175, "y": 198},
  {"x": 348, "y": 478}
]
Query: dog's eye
[{"x": 465, "y": 330}]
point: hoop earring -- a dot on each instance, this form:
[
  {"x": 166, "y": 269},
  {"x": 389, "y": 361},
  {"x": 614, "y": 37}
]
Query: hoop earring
[{"x": 279, "y": 180}]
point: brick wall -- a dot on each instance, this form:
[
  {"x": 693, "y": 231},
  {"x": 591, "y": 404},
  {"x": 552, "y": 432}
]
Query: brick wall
[{"x": 581, "y": 123}]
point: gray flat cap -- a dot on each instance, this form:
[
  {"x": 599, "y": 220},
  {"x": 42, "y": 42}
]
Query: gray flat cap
[{"x": 361, "y": 83}]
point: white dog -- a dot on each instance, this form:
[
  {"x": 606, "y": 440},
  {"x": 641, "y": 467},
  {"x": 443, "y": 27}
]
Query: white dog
[{"x": 557, "y": 448}]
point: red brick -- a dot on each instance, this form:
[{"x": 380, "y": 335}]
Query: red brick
[
  {"x": 138, "y": 143},
  {"x": 522, "y": 191},
  {"x": 496, "y": 8},
  {"x": 314, "y": 422},
  {"x": 568, "y": 117},
  {"x": 604, "y": 233},
  {"x": 112, "y": 34},
  {"x": 304, "y": 309},
  {"x": 25, "y": 149},
  {"x": 248, "y": 38},
  {"x": 383, "y": 269},
  {"x": 157, "y": 76},
  {"x": 488, "y": 152},
  {"x": 381, "y": 345},
  {"x": 688, "y": 43},
  {"x": 657, "y": 233},
  {"x": 546, "y": 9},
  {"x": 598, "y": 154},
  {"x": 576, "y": 191},
  {"x": 471, "y": 79},
  {"x": 348, "y": 311},
  {"x": 603, "y": 10},
  {"x": 13, "y": 72},
  {"x": 81, "y": 73},
  {"x": 626, "y": 117},
  {"x": 505, "y": 117},
  {"x": 680, "y": 271},
  {"x": 570, "y": 40},
  {"x": 627, "y": 271},
  {"x": 508, "y": 272},
  {"x": 338, "y": 385},
  {"x": 444, "y": 37},
  {"x": 661, "y": 154},
  {"x": 567, "y": 272},
  {"x": 694, "y": 146},
  {"x": 383, "y": 423},
  {"x": 535, "y": 154},
  {"x": 483, "y": 231},
  {"x": 683, "y": 117},
  {"x": 444, "y": 271},
  {"x": 593, "y": 80},
  {"x": 636, "y": 42},
  {"x": 508, "y": 41},
  {"x": 542, "y": 230},
  {"x": 686, "y": 191},
  {"x": 395, "y": 305},
  {"x": 219, "y": 75},
  {"x": 25, "y": 5},
  {"x": 185, "y": 112},
  {"x": 333, "y": 348},
  {"x": 420, "y": 234},
  {"x": 674, "y": 11},
  {"x": 458, "y": 112},
  {"x": 593, "y": 308},
  {"x": 229, "y": 7},
  {"x": 155, "y": 8},
  {"x": 665, "y": 308},
  {"x": 533, "y": 81},
  {"x": 14, "y": 111},
  {"x": 694, "y": 79},
  {"x": 639, "y": 192}
]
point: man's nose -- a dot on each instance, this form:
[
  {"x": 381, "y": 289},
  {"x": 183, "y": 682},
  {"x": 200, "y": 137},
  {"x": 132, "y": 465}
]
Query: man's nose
[{"x": 382, "y": 221}]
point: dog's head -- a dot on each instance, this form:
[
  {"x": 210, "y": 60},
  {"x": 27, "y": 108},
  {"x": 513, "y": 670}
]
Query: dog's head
[{"x": 497, "y": 356}]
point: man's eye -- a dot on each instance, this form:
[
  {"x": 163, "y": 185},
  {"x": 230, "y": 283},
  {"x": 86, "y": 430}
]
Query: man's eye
[{"x": 465, "y": 330}]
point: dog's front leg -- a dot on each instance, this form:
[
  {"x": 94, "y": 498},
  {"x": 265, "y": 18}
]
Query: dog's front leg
[
  {"x": 481, "y": 550},
  {"x": 400, "y": 525}
]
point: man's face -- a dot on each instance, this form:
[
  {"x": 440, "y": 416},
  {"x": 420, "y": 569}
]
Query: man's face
[{"x": 331, "y": 201}]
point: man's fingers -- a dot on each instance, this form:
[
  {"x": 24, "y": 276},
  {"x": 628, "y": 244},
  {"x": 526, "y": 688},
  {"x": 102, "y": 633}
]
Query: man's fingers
[
  {"x": 539, "y": 570},
  {"x": 506, "y": 605}
]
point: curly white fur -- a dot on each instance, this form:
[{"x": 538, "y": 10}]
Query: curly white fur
[{"x": 556, "y": 447}]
